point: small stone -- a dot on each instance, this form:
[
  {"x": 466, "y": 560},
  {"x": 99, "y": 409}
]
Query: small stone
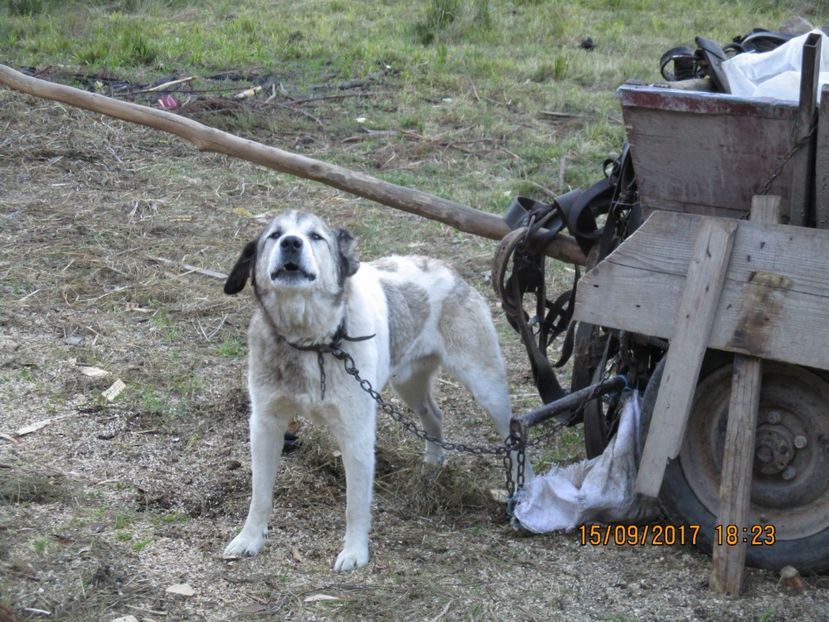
[{"x": 791, "y": 579}]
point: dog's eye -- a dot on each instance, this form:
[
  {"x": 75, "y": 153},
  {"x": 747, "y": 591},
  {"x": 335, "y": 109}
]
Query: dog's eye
[
  {"x": 315, "y": 236},
  {"x": 276, "y": 234}
]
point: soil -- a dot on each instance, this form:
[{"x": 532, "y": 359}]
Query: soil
[{"x": 110, "y": 503}]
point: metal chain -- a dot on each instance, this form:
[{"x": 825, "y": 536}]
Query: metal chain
[
  {"x": 351, "y": 369},
  {"x": 789, "y": 155},
  {"x": 513, "y": 443},
  {"x": 321, "y": 363}
]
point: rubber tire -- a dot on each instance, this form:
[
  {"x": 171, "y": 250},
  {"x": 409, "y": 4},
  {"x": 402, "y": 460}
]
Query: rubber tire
[{"x": 680, "y": 504}]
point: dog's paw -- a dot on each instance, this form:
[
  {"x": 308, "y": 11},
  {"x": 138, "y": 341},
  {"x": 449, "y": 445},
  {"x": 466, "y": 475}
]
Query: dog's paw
[
  {"x": 244, "y": 545},
  {"x": 351, "y": 559}
]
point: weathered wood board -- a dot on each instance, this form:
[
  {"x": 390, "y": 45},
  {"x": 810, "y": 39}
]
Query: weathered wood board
[
  {"x": 710, "y": 153},
  {"x": 638, "y": 288},
  {"x": 695, "y": 318}
]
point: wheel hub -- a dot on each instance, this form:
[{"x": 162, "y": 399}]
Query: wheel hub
[{"x": 774, "y": 449}]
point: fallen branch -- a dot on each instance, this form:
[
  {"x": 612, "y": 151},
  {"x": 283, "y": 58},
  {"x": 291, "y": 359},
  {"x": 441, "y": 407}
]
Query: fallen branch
[
  {"x": 189, "y": 268},
  {"x": 205, "y": 138},
  {"x": 555, "y": 114},
  {"x": 166, "y": 85},
  {"x": 319, "y": 98}
]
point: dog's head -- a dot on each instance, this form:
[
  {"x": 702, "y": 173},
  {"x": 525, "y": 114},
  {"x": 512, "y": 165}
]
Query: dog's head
[{"x": 296, "y": 251}]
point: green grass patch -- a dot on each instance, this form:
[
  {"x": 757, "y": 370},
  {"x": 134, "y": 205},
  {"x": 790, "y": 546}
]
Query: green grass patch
[{"x": 231, "y": 347}]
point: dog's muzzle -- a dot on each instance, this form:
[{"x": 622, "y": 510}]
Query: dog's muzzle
[{"x": 290, "y": 265}]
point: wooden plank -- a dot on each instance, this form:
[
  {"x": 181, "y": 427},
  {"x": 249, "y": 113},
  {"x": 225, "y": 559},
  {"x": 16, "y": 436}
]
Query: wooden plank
[
  {"x": 802, "y": 163},
  {"x": 822, "y": 163},
  {"x": 735, "y": 485},
  {"x": 690, "y": 334},
  {"x": 638, "y": 287},
  {"x": 728, "y": 560}
]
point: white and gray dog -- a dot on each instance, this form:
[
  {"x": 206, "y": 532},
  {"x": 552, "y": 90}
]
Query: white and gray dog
[{"x": 400, "y": 318}]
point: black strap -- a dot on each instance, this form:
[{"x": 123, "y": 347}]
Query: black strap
[
  {"x": 758, "y": 40},
  {"x": 684, "y": 64}
]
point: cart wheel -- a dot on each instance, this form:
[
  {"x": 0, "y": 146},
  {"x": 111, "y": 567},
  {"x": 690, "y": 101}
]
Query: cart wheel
[
  {"x": 600, "y": 419},
  {"x": 790, "y": 487},
  {"x": 593, "y": 353}
]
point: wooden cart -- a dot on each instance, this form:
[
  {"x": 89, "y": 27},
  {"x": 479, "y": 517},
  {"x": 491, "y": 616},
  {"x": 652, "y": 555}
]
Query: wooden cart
[{"x": 738, "y": 410}]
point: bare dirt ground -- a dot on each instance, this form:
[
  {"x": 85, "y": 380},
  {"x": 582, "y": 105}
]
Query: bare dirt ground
[{"x": 110, "y": 504}]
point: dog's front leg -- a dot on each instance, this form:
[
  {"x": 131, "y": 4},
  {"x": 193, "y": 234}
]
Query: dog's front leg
[
  {"x": 357, "y": 447},
  {"x": 266, "y": 440}
]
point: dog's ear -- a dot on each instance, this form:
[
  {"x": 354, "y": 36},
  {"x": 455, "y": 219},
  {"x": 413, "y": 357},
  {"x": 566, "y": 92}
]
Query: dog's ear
[
  {"x": 348, "y": 259},
  {"x": 242, "y": 270}
]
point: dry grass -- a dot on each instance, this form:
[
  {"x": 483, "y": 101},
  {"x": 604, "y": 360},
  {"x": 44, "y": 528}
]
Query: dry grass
[{"x": 22, "y": 483}]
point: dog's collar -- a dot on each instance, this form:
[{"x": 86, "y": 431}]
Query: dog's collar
[
  {"x": 340, "y": 335},
  {"x": 332, "y": 347}
]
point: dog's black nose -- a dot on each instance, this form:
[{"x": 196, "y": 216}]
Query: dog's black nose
[{"x": 291, "y": 243}]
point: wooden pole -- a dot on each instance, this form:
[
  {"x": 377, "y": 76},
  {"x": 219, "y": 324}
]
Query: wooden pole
[
  {"x": 803, "y": 163},
  {"x": 206, "y": 138},
  {"x": 728, "y": 559}
]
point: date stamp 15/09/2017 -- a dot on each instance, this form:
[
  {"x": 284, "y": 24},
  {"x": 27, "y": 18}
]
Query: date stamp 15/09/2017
[{"x": 670, "y": 535}]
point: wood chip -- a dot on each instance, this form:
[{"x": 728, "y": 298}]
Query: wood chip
[
  {"x": 126, "y": 618},
  {"x": 315, "y": 598},
  {"x": 247, "y": 93},
  {"x": 499, "y": 494},
  {"x": 93, "y": 372},
  {"x": 38, "y": 425},
  {"x": 181, "y": 589},
  {"x": 296, "y": 555},
  {"x": 115, "y": 390},
  {"x": 131, "y": 306}
]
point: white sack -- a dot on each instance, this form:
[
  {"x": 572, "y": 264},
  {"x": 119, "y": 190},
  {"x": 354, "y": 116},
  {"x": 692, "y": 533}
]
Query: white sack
[
  {"x": 593, "y": 491},
  {"x": 774, "y": 74}
]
